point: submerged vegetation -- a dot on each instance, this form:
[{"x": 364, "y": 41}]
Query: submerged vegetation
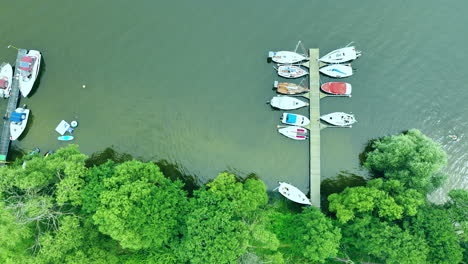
[{"x": 110, "y": 208}]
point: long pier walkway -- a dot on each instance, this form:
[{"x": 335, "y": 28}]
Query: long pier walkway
[
  {"x": 11, "y": 106},
  {"x": 314, "y": 127}
]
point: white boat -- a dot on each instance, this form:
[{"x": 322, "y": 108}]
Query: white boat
[
  {"x": 286, "y": 57},
  {"x": 287, "y": 103},
  {"x": 339, "y": 119},
  {"x": 18, "y": 121},
  {"x": 29, "y": 69},
  {"x": 293, "y": 193},
  {"x": 6, "y": 78},
  {"x": 337, "y": 70},
  {"x": 291, "y": 71},
  {"x": 294, "y": 119},
  {"x": 341, "y": 55},
  {"x": 293, "y": 132}
]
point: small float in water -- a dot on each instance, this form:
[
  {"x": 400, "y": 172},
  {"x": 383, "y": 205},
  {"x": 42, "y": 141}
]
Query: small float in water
[
  {"x": 65, "y": 138},
  {"x": 293, "y": 193}
]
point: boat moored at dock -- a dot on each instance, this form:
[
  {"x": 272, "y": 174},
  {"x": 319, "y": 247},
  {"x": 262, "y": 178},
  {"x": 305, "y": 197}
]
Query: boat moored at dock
[
  {"x": 286, "y": 57},
  {"x": 337, "y": 70},
  {"x": 29, "y": 70},
  {"x": 289, "y": 88},
  {"x": 6, "y": 78},
  {"x": 293, "y": 132},
  {"x": 295, "y": 120},
  {"x": 287, "y": 103},
  {"x": 291, "y": 71},
  {"x": 18, "y": 122},
  {"x": 337, "y": 88},
  {"x": 341, "y": 55},
  {"x": 293, "y": 193},
  {"x": 339, "y": 119}
]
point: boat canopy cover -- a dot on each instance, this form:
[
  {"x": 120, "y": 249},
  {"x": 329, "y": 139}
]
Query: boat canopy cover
[
  {"x": 17, "y": 117},
  {"x": 291, "y": 118},
  {"x": 26, "y": 59},
  {"x": 3, "y": 84},
  {"x": 62, "y": 127},
  {"x": 25, "y": 66}
]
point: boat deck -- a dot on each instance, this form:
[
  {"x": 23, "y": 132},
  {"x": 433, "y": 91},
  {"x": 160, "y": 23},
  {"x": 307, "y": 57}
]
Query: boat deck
[
  {"x": 314, "y": 127},
  {"x": 10, "y": 107}
]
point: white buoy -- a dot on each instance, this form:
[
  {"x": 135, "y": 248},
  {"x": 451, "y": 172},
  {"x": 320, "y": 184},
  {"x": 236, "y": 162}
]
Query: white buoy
[
  {"x": 74, "y": 123},
  {"x": 84, "y": 86}
]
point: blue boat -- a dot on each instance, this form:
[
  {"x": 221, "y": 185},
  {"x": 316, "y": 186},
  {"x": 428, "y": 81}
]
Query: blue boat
[{"x": 65, "y": 138}]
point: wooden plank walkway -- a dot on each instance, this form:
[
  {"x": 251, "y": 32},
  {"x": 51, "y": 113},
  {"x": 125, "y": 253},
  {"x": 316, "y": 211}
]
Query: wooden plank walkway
[
  {"x": 314, "y": 127},
  {"x": 12, "y": 104}
]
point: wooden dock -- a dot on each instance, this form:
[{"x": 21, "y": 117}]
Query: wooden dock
[
  {"x": 314, "y": 127},
  {"x": 11, "y": 106}
]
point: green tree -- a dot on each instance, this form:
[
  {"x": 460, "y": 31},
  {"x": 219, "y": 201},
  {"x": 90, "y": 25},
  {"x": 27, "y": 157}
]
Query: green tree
[
  {"x": 139, "y": 207},
  {"x": 411, "y": 158},
  {"x": 222, "y": 223}
]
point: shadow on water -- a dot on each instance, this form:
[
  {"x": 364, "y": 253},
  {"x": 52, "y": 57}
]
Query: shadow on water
[
  {"x": 172, "y": 171},
  {"x": 42, "y": 70},
  {"x": 337, "y": 184},
  {"x": 15, "y": 152}
]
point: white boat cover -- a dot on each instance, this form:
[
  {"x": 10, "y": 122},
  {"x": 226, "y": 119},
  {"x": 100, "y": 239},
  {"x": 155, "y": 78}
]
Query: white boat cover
[
  {"x": 62, "y": 127},
  {"x": 293, "y": 193}
]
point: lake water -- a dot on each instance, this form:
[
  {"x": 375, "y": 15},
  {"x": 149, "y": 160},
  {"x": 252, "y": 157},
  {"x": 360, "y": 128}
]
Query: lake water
[{"x": 188, "y": 81}]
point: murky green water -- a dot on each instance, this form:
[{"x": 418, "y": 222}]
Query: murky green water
[{"x": 187, "y": 81}]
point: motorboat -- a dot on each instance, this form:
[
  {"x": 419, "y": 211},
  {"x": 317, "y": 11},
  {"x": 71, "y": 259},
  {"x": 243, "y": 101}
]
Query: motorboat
[
  {"x": 18, "y": 121},
  {"x": 339, "y": 119},
  {"x": 293, "y": 193},
  {"x": 29, "y": 69},
  {"x": 337, "y": 70},
  {"x": 287, "y": 103},
  {"x": 294, "y": 119},
  {"x": 337, "y": 88},
  {"x": 291, "y": 71},
  {"x": 289, "y": 88},
  {"x": 6, "y": 78},
  {"x": 341, "y": 55},
  {"x": 293, "y": 132},
  {"x": 286, "y": 57}
]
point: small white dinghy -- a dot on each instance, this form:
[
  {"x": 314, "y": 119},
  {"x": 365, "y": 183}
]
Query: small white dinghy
[
  {"x": 292, "y": 193},
  {"x": 18, "y": 121},
  {"x": 287, "y": 103},
  {"x": 295, "y": 120},
  {"x": 339, "y": 119},
  {"x": 6, "y": 78},
  {"x": 291, "y": 71},
  {"x": 337, "y": 70},
  {"x": 286, "y": 57},
  {"x": 29, "y": 69},
  {"x": 341, "y": 55},
  {"x": 293, "y": 132}
]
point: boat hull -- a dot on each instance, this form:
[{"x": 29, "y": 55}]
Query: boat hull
[
  {"x": 286, "y": 57},
  {"x": 341, "y": 55},
  {"x": 287, "y": 103},
  {"x": 289, "y": 88},
  {"x": 294, "y": 132},
  {"x": 337, "y": 70},
  {"x": 293, "y": 193},
  {"x": 291, "y": 71},
  {"x": 27, "y": 79},
  {"x": 337, "y": 88},
  {"x": 17, "y": 128},
  {"x": 6, "y": 76},
  {"x": 295, "y": 120},
  {"x": 339, "y": 119},
  {"x": 65, "y": 138}
]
